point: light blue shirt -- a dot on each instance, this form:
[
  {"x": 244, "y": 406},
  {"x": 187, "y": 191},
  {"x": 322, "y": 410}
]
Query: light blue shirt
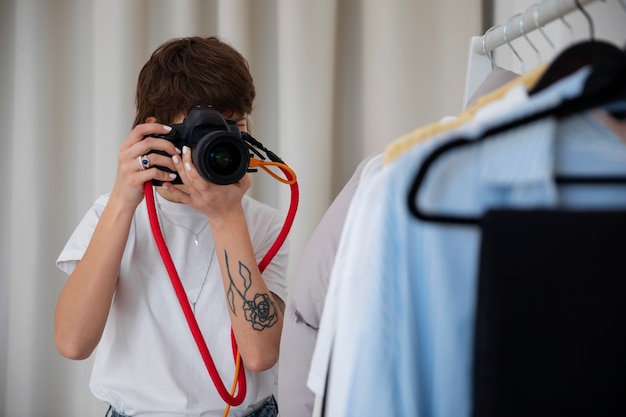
[{"x": 412, "y": 351}]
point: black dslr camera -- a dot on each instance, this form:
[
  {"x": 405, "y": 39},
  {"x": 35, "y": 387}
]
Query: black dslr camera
[{"x": 218, "y": 149}]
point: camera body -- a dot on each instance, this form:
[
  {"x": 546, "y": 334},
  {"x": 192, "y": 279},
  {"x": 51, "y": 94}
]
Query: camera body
[{"x": 218, "y": 150}]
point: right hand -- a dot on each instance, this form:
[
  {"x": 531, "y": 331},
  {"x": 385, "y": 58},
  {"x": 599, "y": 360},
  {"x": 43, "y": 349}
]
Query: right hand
[{"x": 130, "y": 178}]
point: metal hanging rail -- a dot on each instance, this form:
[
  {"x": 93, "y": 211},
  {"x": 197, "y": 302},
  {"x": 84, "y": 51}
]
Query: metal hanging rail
[{"x": 542, "y": 13}]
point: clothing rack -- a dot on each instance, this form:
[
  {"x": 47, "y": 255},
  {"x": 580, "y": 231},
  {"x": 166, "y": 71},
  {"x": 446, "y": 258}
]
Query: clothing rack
[{"x": 479, "y": 62}]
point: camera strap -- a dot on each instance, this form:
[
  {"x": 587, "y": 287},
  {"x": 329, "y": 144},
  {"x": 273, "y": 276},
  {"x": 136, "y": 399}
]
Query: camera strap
[
  {"x": 188, "y": 312},
  {"x": 240, "y": 376}
]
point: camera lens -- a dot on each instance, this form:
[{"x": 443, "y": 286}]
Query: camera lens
[{"x": 221, "y": 158}]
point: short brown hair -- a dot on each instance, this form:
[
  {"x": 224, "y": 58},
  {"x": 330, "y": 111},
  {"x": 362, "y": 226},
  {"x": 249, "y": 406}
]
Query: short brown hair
[{"x": 186, "y": 72}]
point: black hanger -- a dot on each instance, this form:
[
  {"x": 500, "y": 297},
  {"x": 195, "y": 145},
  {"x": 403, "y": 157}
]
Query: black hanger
[
  {"x": 605, "y": 85},
  {"x": 584, "y": 53},
  {"x": 575, "y": 57}
]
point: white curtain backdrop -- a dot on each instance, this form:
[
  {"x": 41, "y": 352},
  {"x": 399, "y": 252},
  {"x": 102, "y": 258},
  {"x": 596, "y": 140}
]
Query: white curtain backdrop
[{"x": 336, "y": 81}]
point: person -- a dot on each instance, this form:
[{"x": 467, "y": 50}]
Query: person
[{"x": 119, "y": 297}]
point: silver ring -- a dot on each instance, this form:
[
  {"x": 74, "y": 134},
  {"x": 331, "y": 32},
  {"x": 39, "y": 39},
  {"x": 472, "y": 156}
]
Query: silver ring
[{"x": 143, "y": 162}]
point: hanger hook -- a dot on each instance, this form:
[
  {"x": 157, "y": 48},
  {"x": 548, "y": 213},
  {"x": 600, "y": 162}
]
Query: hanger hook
[
  {"x": 565, "y": 22},
  {"x": 540, "y": 25},
  {"x": 506, "y": 39},
  {"x": 589, "y": 19},
  {"x": 523, "y": 32},
  {"x": 493, "y": 64}
]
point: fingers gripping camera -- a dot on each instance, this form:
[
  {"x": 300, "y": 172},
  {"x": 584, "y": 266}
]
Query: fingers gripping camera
[{"x": 217, "y": 148}]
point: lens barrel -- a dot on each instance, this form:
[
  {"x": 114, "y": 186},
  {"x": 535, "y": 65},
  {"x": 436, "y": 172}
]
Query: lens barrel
[{"x": 221, "y": 157}]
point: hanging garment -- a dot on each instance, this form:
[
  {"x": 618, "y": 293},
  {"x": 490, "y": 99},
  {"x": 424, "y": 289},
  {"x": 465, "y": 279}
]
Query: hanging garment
[
  {"x": 306, "y": 302},
  {"x": 316, "y": 380},
  {"x": 550, "y": 322},
  {"x": 406, "y": 142},
  {"x": 403, "y": 340},
  {"x": 497, "y": 78}
]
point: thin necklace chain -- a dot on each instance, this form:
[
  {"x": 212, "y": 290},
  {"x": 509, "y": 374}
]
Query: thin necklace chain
[
  {"x": 195, "y": 235},
  {"x": 206, "y": 274}
]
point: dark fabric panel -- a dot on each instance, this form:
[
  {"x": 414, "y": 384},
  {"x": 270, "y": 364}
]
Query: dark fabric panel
[{"x": 551, "y": 314}]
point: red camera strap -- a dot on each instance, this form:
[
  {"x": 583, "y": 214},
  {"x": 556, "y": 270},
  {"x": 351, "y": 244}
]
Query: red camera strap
[
  {"x": 186, "y": 307},
  {"x": 230, "y": 399}
]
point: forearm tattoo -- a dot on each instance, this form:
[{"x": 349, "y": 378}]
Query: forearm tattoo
[{"x": 260, "y": 309}]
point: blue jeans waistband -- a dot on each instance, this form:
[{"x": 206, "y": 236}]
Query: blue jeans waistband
[{"x": 268, "y": 409}]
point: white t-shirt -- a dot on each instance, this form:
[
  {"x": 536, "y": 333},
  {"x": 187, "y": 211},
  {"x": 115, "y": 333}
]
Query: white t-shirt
[{"x": 147, "y": 362}]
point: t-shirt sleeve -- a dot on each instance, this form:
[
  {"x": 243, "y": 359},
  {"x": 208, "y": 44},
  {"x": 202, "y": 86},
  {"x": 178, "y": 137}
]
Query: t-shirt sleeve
[{"x": 79, "y": 240}]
